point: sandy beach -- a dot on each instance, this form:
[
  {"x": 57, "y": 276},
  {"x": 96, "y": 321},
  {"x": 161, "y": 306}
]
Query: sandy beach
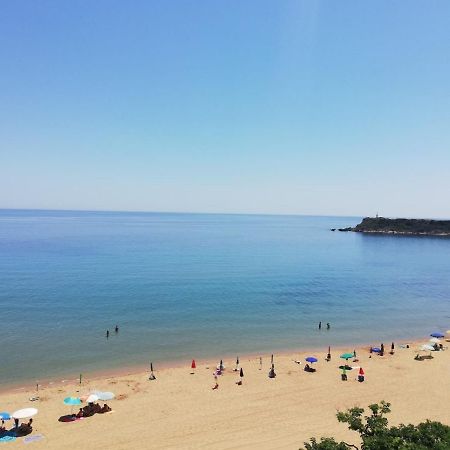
[{"x": 181, "y": 411}]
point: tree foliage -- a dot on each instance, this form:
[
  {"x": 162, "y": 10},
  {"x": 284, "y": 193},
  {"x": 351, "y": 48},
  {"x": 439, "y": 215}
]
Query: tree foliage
[{"x": 375, "y": 433}]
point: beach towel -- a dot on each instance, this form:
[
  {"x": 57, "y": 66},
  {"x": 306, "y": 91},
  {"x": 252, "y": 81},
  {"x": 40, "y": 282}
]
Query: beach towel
[
  {"x": 8, "y": 438},
  {"x": 34, "y": 438}
]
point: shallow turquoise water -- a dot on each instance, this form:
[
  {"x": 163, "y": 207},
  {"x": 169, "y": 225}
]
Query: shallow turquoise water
[{"x": 194, "y": 285}]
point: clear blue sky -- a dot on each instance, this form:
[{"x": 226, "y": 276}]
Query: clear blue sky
[{"x": 304, "y": 107}]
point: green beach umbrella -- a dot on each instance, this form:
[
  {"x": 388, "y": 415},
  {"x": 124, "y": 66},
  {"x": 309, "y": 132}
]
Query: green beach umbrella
[{"x": 347, "y": 356}]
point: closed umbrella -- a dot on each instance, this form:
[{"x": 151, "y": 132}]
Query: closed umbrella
[
  {"x": 24, "y": 413},
  {"x": 152, "y": 375},
  {"x": 193, "y": 367},
  {"x": 361, "y": 375}
]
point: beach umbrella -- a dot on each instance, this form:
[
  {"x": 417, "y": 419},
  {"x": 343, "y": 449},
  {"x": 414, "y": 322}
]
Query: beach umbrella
[
  {"x": 193, "y": 367},
  {"x": 435, "y": 340},
  {"x": 24, "y": 413},
  {"x": 427, "y": 347},
  {"x": 376, "y": 349},
  {"x": 105, "y": 396},
  {"x": 152, "y": 375},
  {"x": 72, "y": 401},
  {"x": 361, "y": 371},
  {"x": 4, "y": 416},
  {"x": 346, "y": 356},
  {"x": 311, "y": 359},
  {"x": 241, "y": 374},
  {"x": 92, "y": 398},
  {"x": 437, "y": 334}
]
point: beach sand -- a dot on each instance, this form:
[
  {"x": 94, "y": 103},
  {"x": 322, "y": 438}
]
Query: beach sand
[{"x": 181, "y": 411}]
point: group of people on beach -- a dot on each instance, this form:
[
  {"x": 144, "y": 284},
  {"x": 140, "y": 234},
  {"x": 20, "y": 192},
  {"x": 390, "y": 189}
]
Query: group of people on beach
[
  {"x": 90, "y": 409},
  {"x": 19, "y": 430}
]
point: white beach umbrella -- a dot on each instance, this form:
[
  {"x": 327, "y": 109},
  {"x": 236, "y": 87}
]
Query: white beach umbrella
[
  {"x": 435, "y": 341},
  {"x": 427, "y": 347},
  {"x": 92, "y": 398},
  {"x": 24, "y": 413},
  {"x": 104, "y": 395}
]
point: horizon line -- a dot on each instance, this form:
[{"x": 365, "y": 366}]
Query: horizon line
[{"x": 208, "y": 213}]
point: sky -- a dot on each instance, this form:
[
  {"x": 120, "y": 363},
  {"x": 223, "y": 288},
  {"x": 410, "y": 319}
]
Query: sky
[{"x": 236, "y": 106}]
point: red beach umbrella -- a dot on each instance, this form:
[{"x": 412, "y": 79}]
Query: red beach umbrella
[
  {"x": 361, "y": 371},
  {"x": 193, "y": 366}
]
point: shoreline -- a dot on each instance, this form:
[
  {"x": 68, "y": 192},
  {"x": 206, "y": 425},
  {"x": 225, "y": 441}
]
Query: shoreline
[
  {"x": 182, "y": 411},
  {"x": 29, "y": 386}
]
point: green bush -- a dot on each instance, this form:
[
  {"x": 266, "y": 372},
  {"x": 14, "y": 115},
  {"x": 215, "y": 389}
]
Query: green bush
[{"x": 375, "y": 434}]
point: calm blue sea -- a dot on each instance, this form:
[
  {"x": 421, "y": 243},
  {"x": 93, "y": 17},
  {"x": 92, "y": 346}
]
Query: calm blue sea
[{"x": 184, "y": 286}]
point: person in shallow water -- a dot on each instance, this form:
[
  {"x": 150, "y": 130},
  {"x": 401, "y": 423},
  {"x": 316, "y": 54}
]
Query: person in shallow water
[
  {"x": 328, "y": 325},
  {"x": 107, "y": 334},
  {"x": 116, "y": 329},
  {"x": 320, "y": 325}
]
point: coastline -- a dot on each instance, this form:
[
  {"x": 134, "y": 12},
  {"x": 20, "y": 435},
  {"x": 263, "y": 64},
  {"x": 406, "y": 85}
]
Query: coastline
[
  {"x": 181, "y": 411},
  {"x": 29, "y": 386}
]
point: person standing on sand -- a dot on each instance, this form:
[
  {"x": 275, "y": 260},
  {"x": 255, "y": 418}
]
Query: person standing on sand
[
  {"x": 260, "y": 363},
  {"x": 216, "y": 385}
]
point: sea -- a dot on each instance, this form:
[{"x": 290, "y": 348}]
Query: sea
[{"x": 183, "y": 286}]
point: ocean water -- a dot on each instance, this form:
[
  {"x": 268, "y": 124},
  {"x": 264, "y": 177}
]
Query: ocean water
[{"x": 184, "y": 286}]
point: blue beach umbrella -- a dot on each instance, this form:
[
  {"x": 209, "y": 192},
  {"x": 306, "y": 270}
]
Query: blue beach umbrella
[
  {"x": 376, "y": 349},
  {"x": 5, "y": 416},
  {"x": 311, "y": 359},
  {"x": 437, "y": 334},
  {"x": 71, "y": 401}
]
